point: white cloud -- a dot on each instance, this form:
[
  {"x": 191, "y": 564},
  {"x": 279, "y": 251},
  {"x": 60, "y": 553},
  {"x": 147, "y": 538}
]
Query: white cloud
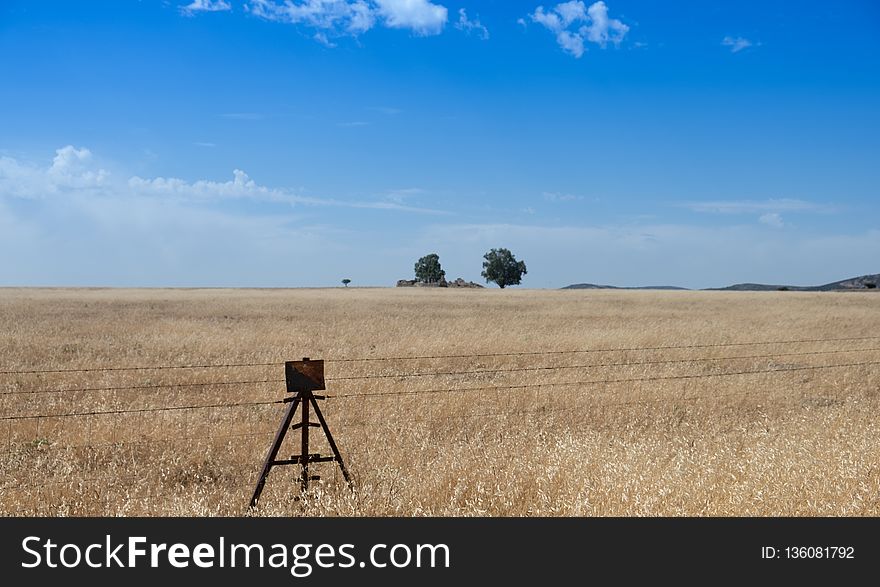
[
  {"x": 603, "y": 29},
  {"x": 736, "y": 44},
  {"x": 548, "y": 19},
  {"x": 773, "y": 219},
  {"x": 73, "y": 174},
  {"x": 205, "y": 6},
  {"x": 755, "y": 207},
  {"x": 344, "y": 16},
  {"x": 71, "y": 168},
  {"x": 574, "y": 24},
  {"x": 322, "y": 38},
  {"x": 571, "y": 12},
  {"x": 571, "y": 42},
  {"x": 240, "y": 186},
  {"x": 421, "y": 16},
  {"x": 353, "y": 17},
  {"x": 471, "y": 26}
]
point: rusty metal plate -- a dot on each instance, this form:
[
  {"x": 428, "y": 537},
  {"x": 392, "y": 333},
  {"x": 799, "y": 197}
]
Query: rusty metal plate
[{"x": 304, "y": 375}]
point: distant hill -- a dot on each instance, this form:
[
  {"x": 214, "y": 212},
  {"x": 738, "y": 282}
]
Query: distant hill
[
  {"x": 853, "y": 283},
  {"x": 594, "y": 286},
  {"x": 864, "y": 282}
]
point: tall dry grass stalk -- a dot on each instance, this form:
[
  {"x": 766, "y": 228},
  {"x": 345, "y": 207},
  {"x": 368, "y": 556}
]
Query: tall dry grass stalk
[{"x": 803, "y": 442}]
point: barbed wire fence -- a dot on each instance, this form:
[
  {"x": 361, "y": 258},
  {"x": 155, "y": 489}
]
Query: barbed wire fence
[{"x": 62, "y": 416}]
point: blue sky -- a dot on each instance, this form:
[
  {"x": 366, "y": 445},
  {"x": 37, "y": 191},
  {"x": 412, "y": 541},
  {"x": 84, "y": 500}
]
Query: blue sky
[{"x": 262, "y": 143}]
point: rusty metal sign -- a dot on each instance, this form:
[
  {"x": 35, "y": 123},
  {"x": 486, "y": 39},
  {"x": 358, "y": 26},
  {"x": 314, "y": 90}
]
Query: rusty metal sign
[{"x": 304, "y": 375}]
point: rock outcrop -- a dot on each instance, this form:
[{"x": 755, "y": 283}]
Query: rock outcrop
[
  {"x": 442, "y": 283},
  {"x": 462, "y": 283}
]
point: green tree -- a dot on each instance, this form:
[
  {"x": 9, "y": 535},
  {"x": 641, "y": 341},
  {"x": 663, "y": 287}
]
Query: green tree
[
  {"x": 428, "y": 269},
  {"x": 346, "y": 281},
  {"x": 502, "y": 267}
]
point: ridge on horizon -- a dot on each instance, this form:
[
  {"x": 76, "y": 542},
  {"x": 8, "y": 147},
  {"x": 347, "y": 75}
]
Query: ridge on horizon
[{"x": 862, "y": 282}]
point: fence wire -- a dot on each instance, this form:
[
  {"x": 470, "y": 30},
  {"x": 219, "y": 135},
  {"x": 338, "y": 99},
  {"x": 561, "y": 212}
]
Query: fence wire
[{"x": 400, "y": 374}]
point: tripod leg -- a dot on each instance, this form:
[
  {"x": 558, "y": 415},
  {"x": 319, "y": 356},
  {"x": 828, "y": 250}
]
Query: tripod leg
[
  {"x": 331, "y": 442},
  {"x": 273, "y": 450}
]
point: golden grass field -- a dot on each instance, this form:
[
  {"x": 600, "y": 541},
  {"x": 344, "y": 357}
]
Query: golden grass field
[{"x": 804, "y": 442}]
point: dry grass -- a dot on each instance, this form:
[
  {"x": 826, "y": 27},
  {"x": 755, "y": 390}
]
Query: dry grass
[{"x": 798, "y": 443}]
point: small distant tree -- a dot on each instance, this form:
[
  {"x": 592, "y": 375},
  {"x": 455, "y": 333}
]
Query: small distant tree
[
  {"x": 870, "y": 285},
  {"x": 346, "y": 281},
  {"x": 428, "y": 269},
  {"x": 502, "y": 267}
]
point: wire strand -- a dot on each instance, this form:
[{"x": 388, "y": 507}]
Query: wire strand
[
  {"x": 140, "y": 387},
  {"x": 122, "y": 444},
  {"x": 136, "y": 368},
  {"x": 428, "y": 357},
  {"x": 136, "y": 411},
  {"x": 599, "y": 382},
  {"x": 574, "y": 409},
  {"x": 562, "y": 367},
  {"x": 603, "y": 350}
]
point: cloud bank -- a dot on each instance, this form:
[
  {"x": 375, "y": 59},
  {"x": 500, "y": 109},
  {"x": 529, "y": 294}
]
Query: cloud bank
[
  {"x": 74, "y": 173},
  {"x": 69, "y": 221}
]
